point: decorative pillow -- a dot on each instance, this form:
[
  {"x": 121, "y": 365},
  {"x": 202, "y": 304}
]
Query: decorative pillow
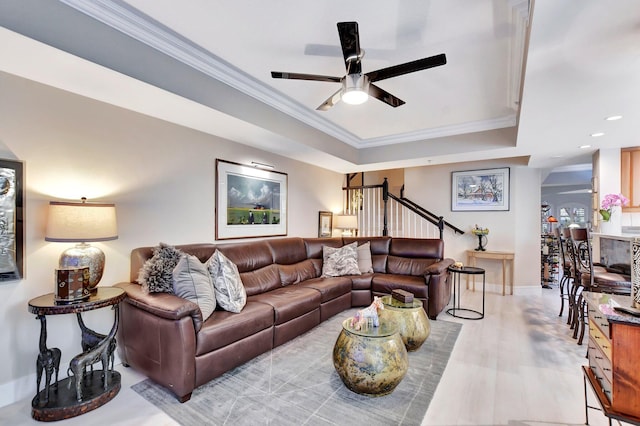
[
  {"x": 230, "y": 292},
  {"x": 156, "y": 275},
  {"x": 191, "y": 280},
  {"x": 340, "y": 261},
  {"x": 365, "y": 264}
]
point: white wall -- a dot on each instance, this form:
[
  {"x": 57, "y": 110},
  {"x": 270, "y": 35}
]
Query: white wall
[
  {"x": 161, "y": 177},
  {"x": 516, "y": 230}
]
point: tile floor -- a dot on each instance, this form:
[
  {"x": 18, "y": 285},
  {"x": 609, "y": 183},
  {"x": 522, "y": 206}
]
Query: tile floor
[{"x": 518, "y": 366}]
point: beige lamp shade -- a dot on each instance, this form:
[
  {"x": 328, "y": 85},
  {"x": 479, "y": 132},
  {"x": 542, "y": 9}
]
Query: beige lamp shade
[
  {"x": 346, "y": 222},
  {"x": 81, "y": 222}
]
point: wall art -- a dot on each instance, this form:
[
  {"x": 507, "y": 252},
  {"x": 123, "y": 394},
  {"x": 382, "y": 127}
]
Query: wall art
[{"x": 250, "y": 202}]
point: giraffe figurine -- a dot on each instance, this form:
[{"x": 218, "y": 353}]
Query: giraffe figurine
[{"x": 48, "y": 361}]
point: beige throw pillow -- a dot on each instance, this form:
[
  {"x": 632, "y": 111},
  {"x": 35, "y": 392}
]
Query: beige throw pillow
[
  {"x": 340, "y": 261},
  {"x": 191, "y": 281},
  {"x": 365, "y": 264},
  {"x": 230, "y": 293}
]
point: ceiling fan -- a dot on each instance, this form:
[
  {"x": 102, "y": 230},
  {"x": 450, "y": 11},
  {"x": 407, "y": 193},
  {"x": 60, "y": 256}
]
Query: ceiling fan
[{"x": 357, "y": 87}]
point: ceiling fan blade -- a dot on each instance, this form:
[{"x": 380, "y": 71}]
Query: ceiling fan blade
[
  {"x": 299, "y": 76},
  {"x": 350, "y": 42},
  {"x": 408, "y": 67},
  {"x": 331, "y": 101},
  {"x": 384, "y": 96}
]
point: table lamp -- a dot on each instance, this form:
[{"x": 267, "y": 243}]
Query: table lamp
[
  {"x": 347, "y": 223},
  {"x": 82, "y": 223}
]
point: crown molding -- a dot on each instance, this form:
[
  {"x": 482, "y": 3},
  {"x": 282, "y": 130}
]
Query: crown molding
[
  {"x": 444, "y": 131},
  {"x": 519, "y": 20},
  {"x": 131, "y": 22},
  {"x": 142, "y": 28}
]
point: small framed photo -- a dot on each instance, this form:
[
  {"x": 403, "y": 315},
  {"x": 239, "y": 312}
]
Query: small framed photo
[
  {"x": 325, "y": 224},
  {"x": 480, "y": 190}
]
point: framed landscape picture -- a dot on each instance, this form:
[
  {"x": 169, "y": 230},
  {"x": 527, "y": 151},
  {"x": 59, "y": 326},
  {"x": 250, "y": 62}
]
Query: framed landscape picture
[
  {"x": 480, "y": 190},
  {"x": 250, "y": 202}
]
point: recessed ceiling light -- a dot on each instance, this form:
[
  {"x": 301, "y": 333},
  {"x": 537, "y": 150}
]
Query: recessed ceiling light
[
  {"x": 597, "y": 135},
  {"x": 585, "y": 146},
  {"x": 613, "y": 118},
  {"x": 557, "y": 156}
]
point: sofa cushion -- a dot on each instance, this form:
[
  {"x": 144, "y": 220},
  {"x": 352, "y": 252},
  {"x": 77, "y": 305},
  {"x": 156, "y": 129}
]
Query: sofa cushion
[
  {"x": 191, "y": 281},
  {"x": 361, "y": 282},
  {"x": 432, "y": 248},
  {"x": 261, "y": 280},
  {"x": 230, "y": 293},
  {"x": 289, "y": 302},
  {"x": 341, "y": 261},
  {"x": 408, "y": 265},
  {"x": 223, "y": 328},
  {"x": 296, "y": 273},
  {"x": 315, "y": 245},
  {"x": 156, "y": 275},
  {"x": 330, "y": 287},
  {"x": 385, "y": 283},
  {"x": 247, "y": 256},
  {"x": 287, "y": 251},
  {"x": 364, "y": 258}
]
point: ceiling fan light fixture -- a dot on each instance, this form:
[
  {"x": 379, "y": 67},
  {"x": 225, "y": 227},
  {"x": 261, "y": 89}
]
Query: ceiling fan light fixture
[{"x": 355, "y": 89}]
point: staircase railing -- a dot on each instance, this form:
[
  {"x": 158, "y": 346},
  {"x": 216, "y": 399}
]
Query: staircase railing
[{"x": 381, "y": 213}]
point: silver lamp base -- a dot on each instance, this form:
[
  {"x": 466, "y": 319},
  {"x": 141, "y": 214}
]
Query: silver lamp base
[{"x": 83, "y": 255}]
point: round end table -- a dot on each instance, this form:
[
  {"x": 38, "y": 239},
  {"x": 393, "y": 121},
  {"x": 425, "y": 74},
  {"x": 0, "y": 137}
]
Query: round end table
[
  {"x": 410, "y": 318},
  {"x": 371, "y": 361},
  {"x": 456, "y": 310}
]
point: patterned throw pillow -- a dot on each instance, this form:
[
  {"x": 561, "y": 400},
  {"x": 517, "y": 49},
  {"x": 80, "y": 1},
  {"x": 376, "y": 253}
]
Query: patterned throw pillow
[
  {"x": 230, "y": 292},
  {"x": 156, "y": 275},
  {"x": 191, "y": 281},
  {"x": 340, "y": 261},
  {"x": 365, "y": 264}
]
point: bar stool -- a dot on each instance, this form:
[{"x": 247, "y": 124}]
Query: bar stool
[
  {"x": 592, "y": 277},
  {"x": 566, "y": 271}
]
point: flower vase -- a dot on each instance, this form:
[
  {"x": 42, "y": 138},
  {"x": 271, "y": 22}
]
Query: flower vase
[{"x": 614, "y": 225}]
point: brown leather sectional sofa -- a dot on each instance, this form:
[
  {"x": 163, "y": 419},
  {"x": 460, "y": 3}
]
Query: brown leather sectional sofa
[{"x": 163, "y": 336}]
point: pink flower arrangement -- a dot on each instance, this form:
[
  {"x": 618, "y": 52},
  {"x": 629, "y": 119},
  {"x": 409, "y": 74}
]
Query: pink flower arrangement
[{"x": 609, "y": 202}]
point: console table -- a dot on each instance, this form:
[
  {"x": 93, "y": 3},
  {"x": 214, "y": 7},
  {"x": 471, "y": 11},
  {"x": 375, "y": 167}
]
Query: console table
[
  {"x": 58, "y": 398},
  {"x": 504, "y": 256}
]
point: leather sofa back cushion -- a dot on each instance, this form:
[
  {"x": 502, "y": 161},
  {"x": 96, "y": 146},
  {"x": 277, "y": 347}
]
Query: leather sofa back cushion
[
  {"x": 423, "y": 248},
  {"x": 408, "y": 266},
  {"x": 379, "y": 263},
  {"x": 261, "y": 280},
  {"x": 379, "y": 245},
  {"x": 287, "y": 251},
  {"x": 314, "y": 246},
  {"x": 296, "y": 273},
  {"x": 248, "y": 257}
]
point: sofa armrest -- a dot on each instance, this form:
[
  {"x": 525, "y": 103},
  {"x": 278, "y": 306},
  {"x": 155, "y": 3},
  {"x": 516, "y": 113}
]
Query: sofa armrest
[
  {"x": 163, "y": 305},
  {"x": 437, "y": 278},
  {"x": 439, "y": 267}
]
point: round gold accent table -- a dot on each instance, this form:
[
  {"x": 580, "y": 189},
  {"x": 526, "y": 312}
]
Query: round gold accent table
[
  {"x": 410, "y": 319},
  {"x": 371, "y": 361}
]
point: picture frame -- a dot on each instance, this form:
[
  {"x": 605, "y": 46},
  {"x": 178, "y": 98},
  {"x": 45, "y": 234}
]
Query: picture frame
[
  {"x": 11, "y": 220},
  {"x": 251, "y": 202},
  {"x": 480, "y": 190},
  {"x": 325, "y": 224}
]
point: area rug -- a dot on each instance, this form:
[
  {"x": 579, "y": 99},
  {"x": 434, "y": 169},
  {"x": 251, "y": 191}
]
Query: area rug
[{"x": 296, "y": 384}]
